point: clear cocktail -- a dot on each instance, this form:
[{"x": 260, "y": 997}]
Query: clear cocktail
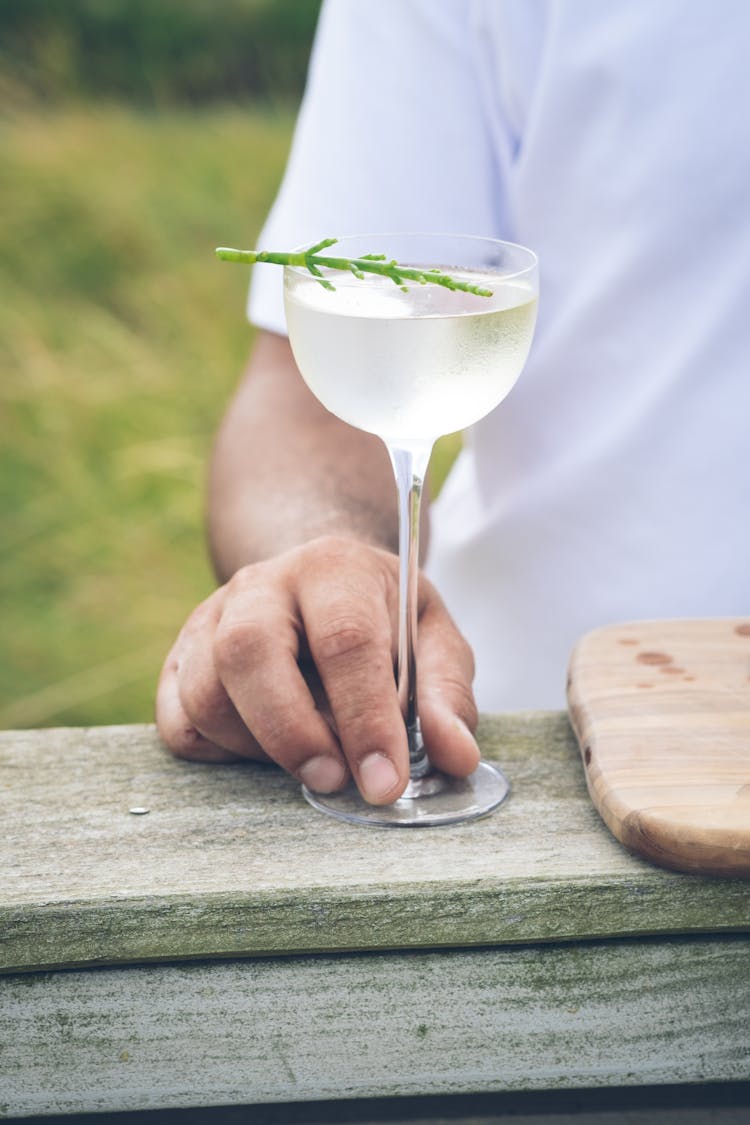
[{"x": 411, "y": 363}]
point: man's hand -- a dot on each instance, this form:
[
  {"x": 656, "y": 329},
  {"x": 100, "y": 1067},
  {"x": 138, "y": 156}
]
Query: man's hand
[{"x": 293, "y": 660}]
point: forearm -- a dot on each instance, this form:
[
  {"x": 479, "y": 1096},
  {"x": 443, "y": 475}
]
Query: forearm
[{"x": 285, "y": 471}]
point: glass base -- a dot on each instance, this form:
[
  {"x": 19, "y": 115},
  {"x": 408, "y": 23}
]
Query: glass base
[{"x": 433, "y": 799}]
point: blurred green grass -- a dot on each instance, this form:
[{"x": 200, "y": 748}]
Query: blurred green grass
[{"x": 121, "y": 339}]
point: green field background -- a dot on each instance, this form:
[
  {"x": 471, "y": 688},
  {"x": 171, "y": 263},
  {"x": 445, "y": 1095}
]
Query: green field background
[{"x": 124, "y": 160}]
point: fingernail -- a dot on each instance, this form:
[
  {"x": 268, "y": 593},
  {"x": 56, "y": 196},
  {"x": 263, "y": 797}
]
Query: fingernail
[
  {"x": 322, "y": 774},
  {"x": 377, "y": 777}
]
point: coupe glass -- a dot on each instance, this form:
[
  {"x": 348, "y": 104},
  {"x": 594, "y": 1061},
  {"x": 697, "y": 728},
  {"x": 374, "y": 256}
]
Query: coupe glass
[{"x": 411, "y": 363}]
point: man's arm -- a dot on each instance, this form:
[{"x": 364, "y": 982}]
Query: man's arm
[
  {"x": 285, "y": 470},
  {"x": 292, "y": 657}
]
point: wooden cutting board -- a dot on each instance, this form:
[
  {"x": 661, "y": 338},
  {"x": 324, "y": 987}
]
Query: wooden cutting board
[{"x": 661, "y": 710}]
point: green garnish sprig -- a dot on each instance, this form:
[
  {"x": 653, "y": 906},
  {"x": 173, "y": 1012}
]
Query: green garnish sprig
[{"x": 312, "y": 260}]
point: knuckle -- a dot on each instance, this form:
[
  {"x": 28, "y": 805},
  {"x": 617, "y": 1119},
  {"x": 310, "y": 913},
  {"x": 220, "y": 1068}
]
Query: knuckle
[
  {"x": 288, "y": 741},
  {"x": 369, "y": 731},
  {"x": 465, "y": 655},
  {"x": 202, "y": 618},
  {"x": 238, "y": 642},
  {"x": 329, "y": 545},
  {"x": 183, "y": 740},
  {"x": 343, "y": 638},
  {"x": 204, "y": 699},
  {"x": 470, "y": 714},
  {"x": 329, "y": 554},
  {"x": 448, "y": 654},
  {"x": 466, "y": 707},
  {"x": 246, "y": 578},
  {"x": 458, "y": 692}
]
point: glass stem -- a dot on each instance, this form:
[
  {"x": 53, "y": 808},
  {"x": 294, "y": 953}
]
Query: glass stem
[{"x": 410, "y": 467}]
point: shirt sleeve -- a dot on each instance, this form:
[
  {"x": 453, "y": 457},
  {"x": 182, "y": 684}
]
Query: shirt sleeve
[{"x": 391, "y": 136}]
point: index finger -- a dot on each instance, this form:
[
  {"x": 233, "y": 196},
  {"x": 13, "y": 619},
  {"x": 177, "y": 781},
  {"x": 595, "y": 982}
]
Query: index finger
[{"x": 350, "y": 637}]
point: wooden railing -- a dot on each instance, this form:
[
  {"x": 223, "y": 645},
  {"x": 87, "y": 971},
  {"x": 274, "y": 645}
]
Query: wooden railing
[{"x": 230, "y": 945}]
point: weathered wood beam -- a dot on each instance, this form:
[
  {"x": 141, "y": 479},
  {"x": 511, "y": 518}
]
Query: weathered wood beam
[
  {"x": 232, "y": 861},
  {"x": 364, "y": 1025}
]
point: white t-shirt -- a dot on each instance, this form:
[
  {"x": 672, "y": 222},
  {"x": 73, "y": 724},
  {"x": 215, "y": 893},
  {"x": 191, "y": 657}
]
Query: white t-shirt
[{"x": 614, "y": 139}]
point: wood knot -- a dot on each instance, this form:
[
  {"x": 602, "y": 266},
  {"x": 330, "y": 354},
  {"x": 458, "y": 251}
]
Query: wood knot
[{"x": 654, "y": 658}]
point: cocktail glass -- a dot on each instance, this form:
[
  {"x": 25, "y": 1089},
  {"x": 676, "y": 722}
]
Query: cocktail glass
[{"x": 412, "y": 364}]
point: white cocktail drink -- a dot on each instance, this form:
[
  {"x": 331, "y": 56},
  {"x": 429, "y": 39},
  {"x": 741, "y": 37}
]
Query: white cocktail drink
[
  {"x": 414, "y": 365},
  {"x": 410, "y": 357}
]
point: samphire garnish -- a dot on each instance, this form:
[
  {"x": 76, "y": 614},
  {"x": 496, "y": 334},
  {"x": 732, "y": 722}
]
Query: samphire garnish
[{"x": 312, "y": 260}]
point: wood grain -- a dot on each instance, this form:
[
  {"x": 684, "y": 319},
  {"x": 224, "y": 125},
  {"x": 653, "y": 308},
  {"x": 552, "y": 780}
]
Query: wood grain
[
  {"x": 555, "y": 959},
  {"x": 373, "y": 1025},
  {"x": 231, "y": 861},
  {"x": 661, "y": 710}
]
